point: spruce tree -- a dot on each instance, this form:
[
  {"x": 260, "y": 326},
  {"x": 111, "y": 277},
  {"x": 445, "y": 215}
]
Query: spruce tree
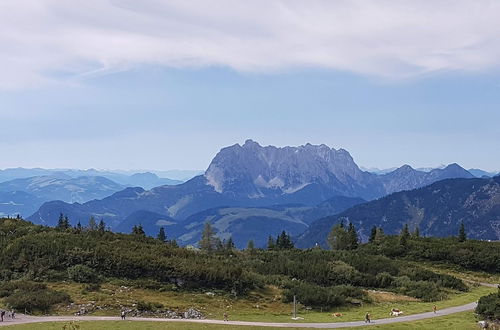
[
  {"x": 78, "y": 227},
  {"x": 337, "y": 238},
  {"x": 66, "y": 223},
  {"x": 462, "y": 236},
  {"x": 250, "y": 246},
  {"x": 102, "y": 226},
  {"x": 92, "y": 224},
  {"x": 373, "y": 234},
  {"x": 162, "y": 237},
  {"x": 380, "y": 235},
  {"x": 60, "y": 222},
  {"x": 208, "y": 241},
  {"x": 416, "y": 233},
  {"x": 352, "y": 237},
  {"x": 271, "y": 244},
  {"x": 230, "y": 244},
  {"x": 404, "y": 236}
]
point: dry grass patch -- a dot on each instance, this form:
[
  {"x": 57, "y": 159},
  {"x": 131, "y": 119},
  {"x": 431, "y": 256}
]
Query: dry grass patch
[{"x": 384, "y": 296}]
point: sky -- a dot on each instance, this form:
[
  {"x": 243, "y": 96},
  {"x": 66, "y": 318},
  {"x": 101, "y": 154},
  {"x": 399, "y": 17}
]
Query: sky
[{"x": 161, "y": 85}]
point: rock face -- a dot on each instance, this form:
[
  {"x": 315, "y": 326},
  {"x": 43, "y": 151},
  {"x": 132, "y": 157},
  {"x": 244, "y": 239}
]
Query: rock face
[
  {"x": 247, "y": 177},
  {"x": 437, "y": 209},
  {"x": 253, "y": 171},
  {"x": 407, "y": 178}
]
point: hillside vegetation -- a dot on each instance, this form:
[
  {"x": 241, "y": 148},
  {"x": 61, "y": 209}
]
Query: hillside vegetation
[{"x": 33, "y": 254}]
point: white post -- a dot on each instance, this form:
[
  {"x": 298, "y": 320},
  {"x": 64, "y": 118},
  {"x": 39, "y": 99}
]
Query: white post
[{"x": 294, "y": 307}]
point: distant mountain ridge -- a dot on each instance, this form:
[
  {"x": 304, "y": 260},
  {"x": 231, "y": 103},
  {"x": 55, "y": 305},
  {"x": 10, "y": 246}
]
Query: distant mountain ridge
[
  {"x": 437, "y": 210},
  {"x": 146, "y": 180},
  {"x": 244, "y": 177},
  {"x": 24, "y": 196}
]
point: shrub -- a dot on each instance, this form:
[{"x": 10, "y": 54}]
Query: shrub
[
  {"x": 317, "y": 296},
  {"x": 31, "y": 296},
  {"x": 82, "y": 274},
  {"x": 144, "y": 306},
  {"x": 489, "y": 306},
  {"x": 91, "y": 287}
]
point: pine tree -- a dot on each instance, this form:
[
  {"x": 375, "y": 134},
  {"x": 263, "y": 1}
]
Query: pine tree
[
  {"x": 66, "y": 223},
  {"x": 60, "y": 222},
  {"x": 92, "y": 224},
  {"x": 462, "y": 236},
  {"x": 271, "y": 244},
  {"x": 78, "y": 227},
  {"x": 416, "y": 233},
  {"x": 138, "y": 230},
  {"x": 352, "y": 237},
  {"x": 208, "y": 241},
  {"x": 162, "y": 237},
  {"x": 338, "y": 238},
  {"x": 404, "y": 236},
  {"x": 250, "y": 246},
  {"x": 102, "y": 226},
  {"x": 373, "y": 234},
  {"x": 379, "y": 237},
  {"x": 219, "y": 244},
  {"x": 230, "y": 244}
]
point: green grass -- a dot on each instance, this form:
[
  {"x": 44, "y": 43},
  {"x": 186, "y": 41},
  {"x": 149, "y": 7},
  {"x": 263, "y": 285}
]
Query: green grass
[
  {"x": 262, "y": 305},
  {"x": 459, "y": 321}
]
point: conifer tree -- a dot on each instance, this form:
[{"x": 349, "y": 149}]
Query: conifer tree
[
  {"x": 66, "y": 223},
  {"x": 373, "y": 234},
  {"x": 92, "y": 224},
  {"x": 352, "y": 237},
  {"x": 78, "y": 227},
  {"x": 208, "y": 240},
  {"x": 404, "y": 236},
  {"x": 462, "y": 236},
  {"x": 416, "y": 233},
  {"x": 102, "y": 226},
  {"x": 162, "y": 237},
  {"x": 337, "y": 238},
  {"x": 230, "y": 244},
  {"x": 60, "y": 222},
  {"x": 271, "y": 244},
  {"x": 250, "y": 245}
]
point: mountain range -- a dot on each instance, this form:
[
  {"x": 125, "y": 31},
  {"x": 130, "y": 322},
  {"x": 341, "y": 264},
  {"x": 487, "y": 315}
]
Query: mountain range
[
  {"x": 247, "y": 189},
  {"x": 146, "y": 180},
  {"x": 24, "y": 196},
  {"x": 437, "y": 210}
]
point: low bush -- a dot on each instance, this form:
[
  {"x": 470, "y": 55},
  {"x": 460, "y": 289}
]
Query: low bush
[
  {"x": 31, "y": 296},
  {"x": 489, "y": 306},
  {"x": 82, "y": 274},
  {"x": 144, "y": 306}
]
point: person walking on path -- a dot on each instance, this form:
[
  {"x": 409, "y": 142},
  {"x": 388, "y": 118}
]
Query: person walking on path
[
  {"x": 367, "y": 318},
  {"x": 123, "y": 315},
  {"x": 226, "y": 317},
  {"x": 434, "y": 309},
  {"x": 2, "y": 314},
  {"x": 13, "y": 314}
]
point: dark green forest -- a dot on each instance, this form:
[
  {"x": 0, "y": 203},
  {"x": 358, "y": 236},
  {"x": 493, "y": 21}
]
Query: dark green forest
[{"x": 33, "y": 254}]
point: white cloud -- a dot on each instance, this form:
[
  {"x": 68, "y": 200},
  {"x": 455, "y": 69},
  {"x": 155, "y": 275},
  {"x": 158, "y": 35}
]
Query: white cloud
[{"x": 46, "y": 41}]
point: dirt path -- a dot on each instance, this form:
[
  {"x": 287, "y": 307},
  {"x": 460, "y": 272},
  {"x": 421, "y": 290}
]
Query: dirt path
[{"x": 21, "y": 319}]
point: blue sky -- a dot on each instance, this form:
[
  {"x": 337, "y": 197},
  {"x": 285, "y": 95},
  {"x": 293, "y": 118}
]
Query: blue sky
[{"x": 94, "y": 91}]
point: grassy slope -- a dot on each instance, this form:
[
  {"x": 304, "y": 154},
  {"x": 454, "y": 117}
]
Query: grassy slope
[
  {"x": 459, "y": 321},
  {"x": 270, "y": 308}
]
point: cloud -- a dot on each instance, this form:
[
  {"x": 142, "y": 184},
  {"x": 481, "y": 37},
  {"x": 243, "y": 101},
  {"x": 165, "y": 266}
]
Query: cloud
[{"x": 49, "y": 41}]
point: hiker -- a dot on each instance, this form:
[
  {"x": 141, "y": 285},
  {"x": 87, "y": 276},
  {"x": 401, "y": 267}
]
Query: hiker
[
  {"x": 123, "y": 315},
  {"x": 2, "y": 314},
  {"x": 12, "y": 314},
  {"x": 367, "y": 318},
  {"x": 226, "y": 317},
  {"x": 434, "y": 309}
]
